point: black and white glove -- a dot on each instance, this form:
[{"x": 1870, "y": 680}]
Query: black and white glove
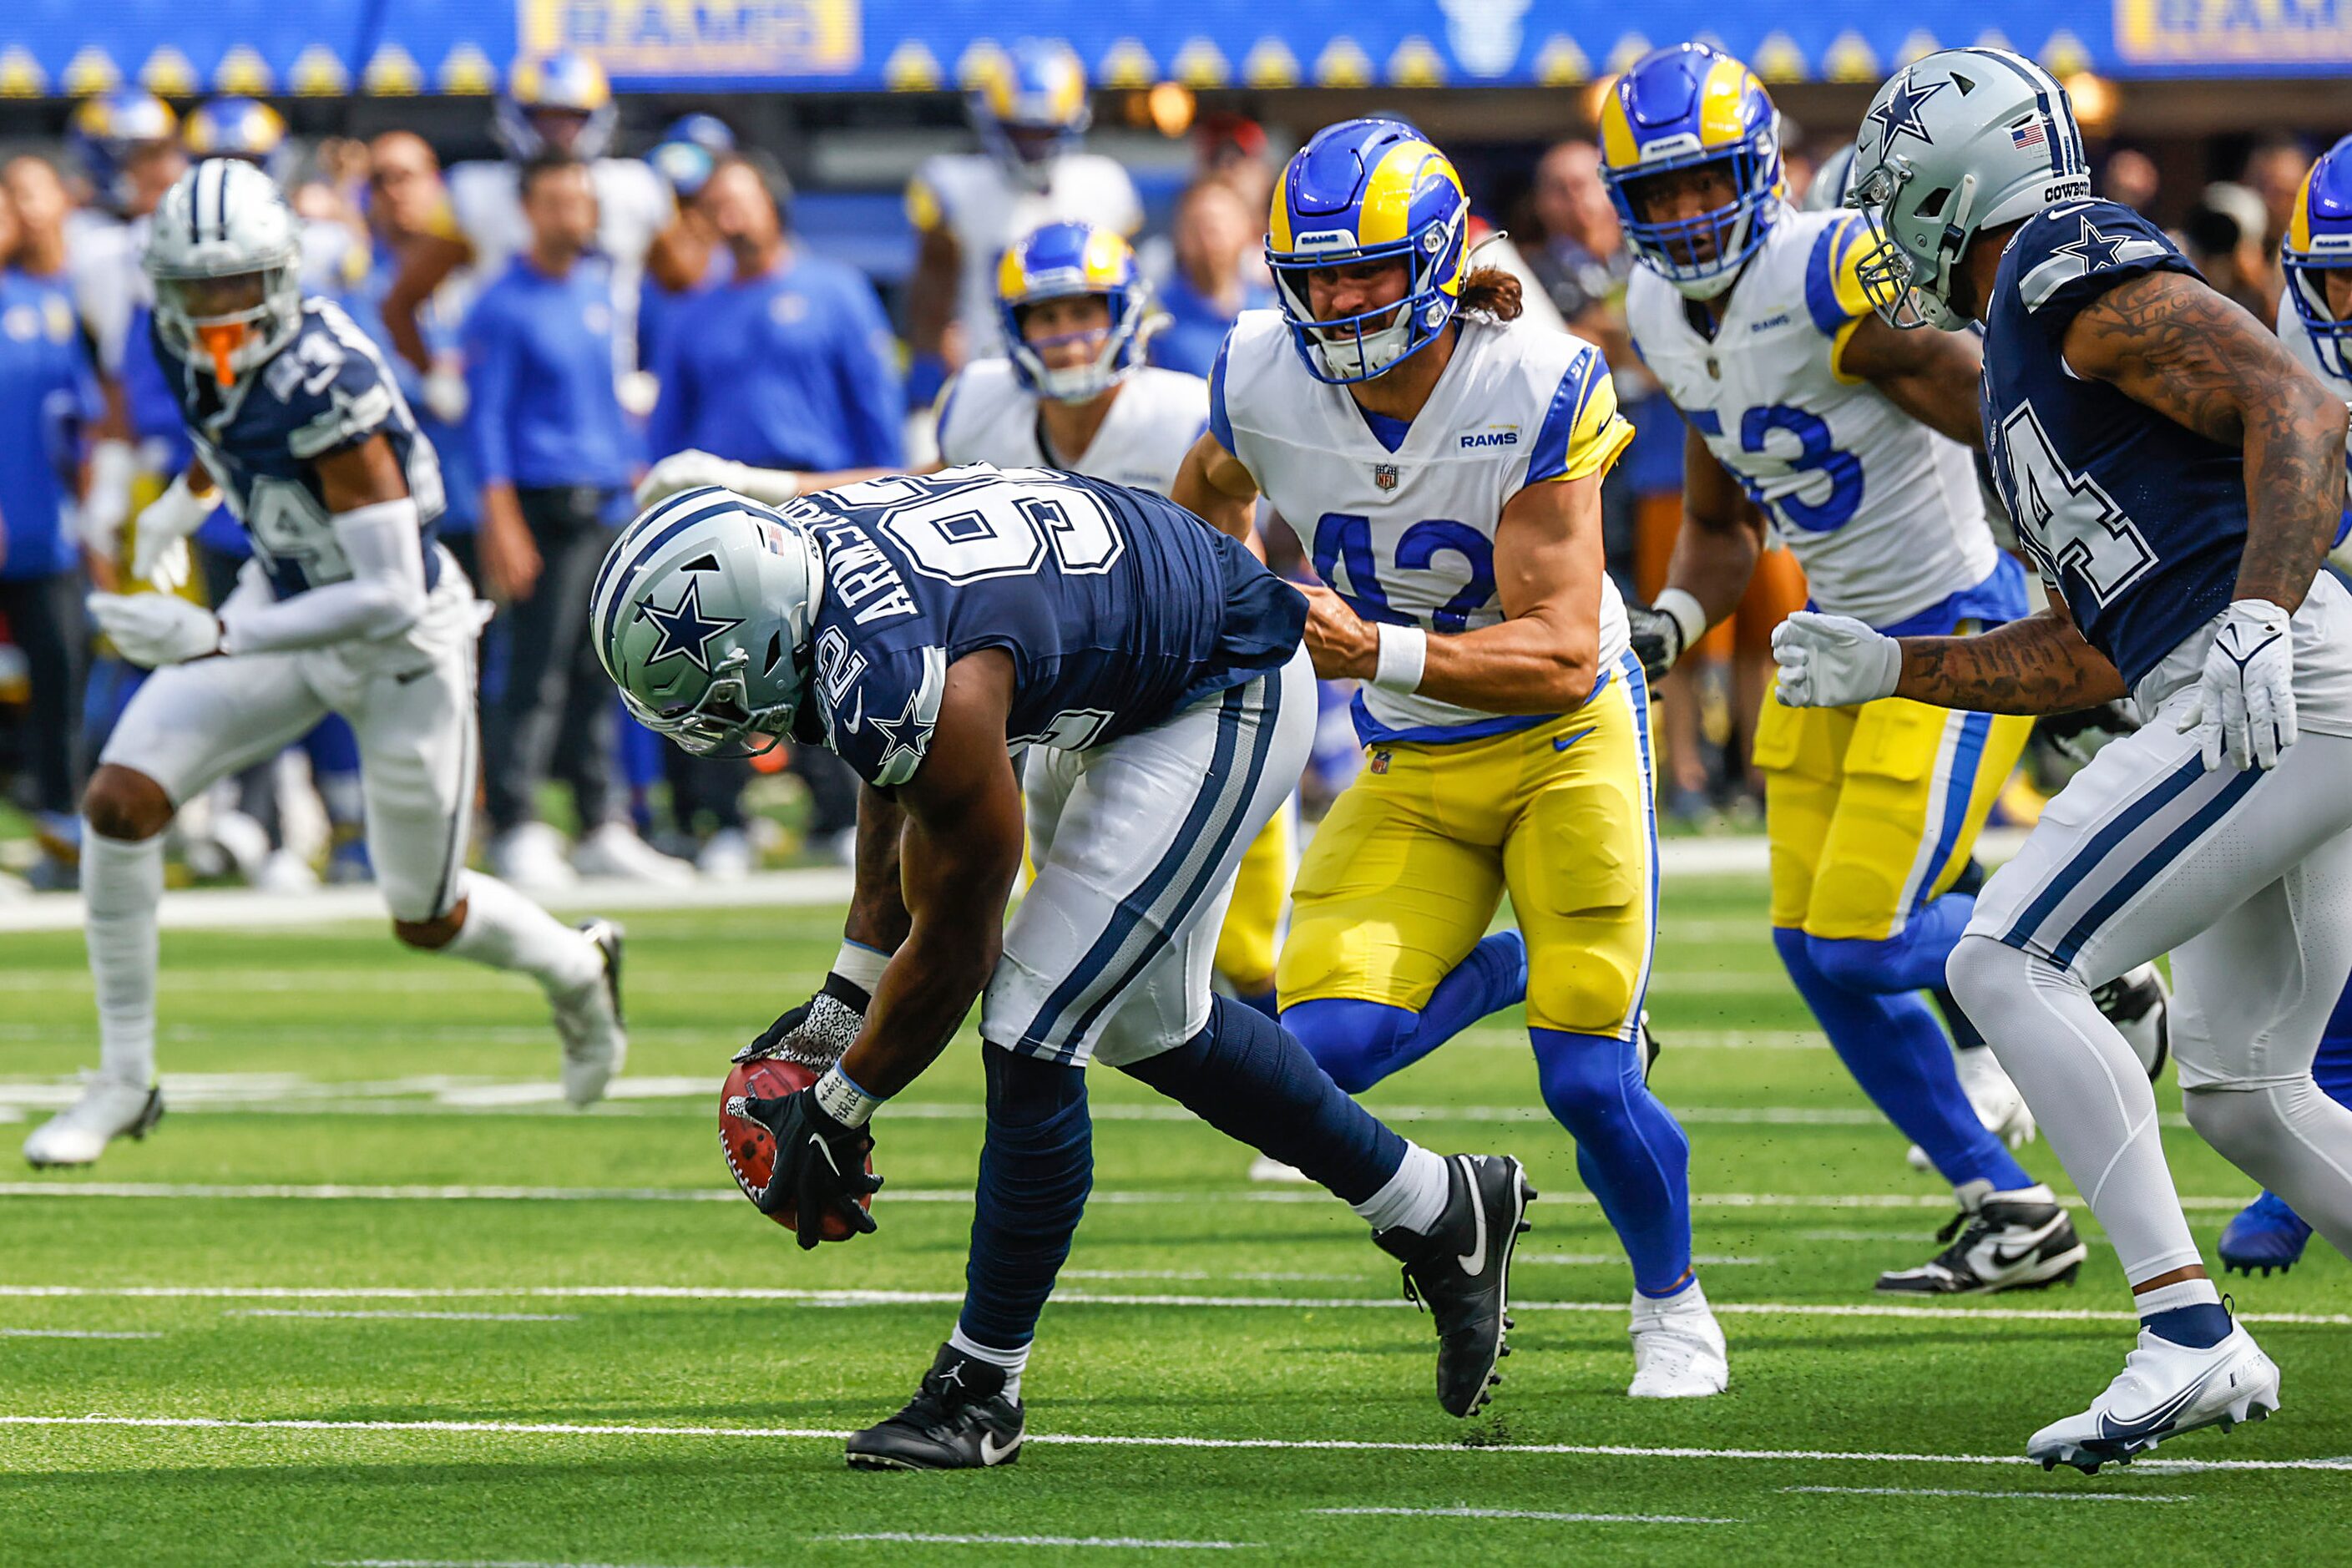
[
  {"x": 819, "y": 1165},
  {"x": 2080, "y": 735},
  {"x": 1662, "y": 632},
  {"x": 816, "y": 1032}
]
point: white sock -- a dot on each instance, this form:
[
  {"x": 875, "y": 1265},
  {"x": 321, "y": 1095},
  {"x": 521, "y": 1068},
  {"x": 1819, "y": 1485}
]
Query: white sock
[
  {"x": 506, "y": 931},
  {"x": 2171, "y": 1298},
  {"x": 2089, "y": 1093},
  {"x": 1414, "y": 1198},
  {"x": 121, "y": 884},
  {"x": 1690, "y": 1299},
  {"x": 1013, "y": 1361}
]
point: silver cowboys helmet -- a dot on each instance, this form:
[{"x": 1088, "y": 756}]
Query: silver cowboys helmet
[
  {"x": 225, "y": 255},
  {"x": 703, "y": 614},
  {"x": 1963, "y": 141}
]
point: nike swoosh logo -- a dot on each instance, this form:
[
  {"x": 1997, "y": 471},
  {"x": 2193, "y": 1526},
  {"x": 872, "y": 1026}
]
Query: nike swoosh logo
[
  {"x": 990, "y": 1454},
  {"x": 1474, "y": 1262},
  {"x": 2140, "y": 1425},
  {"x": 1563, "y": 742},
  {"x": 2002, "y": 1257}
]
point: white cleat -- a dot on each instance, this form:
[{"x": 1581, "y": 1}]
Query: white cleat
[
  {"x": 615, "y": 850},
  {"x": 2165, "y": 1389},
  {"x": 1996, "y": 1100},
  {"x": 1266, "y": 1168},
  {"x": 286, "y": 872},
  {"x": 1678, "y": 1349},
  {"x": 595, "y": 1043},
  {"x": 727, "y": 857},
  {"x": 107, "y": 1110},
  {"x": 531, "y": 857}
]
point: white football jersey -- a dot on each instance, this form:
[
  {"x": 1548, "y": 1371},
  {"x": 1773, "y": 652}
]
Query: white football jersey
[
  {"x": 2298, "y": 338},
  {"x": 632, "y": 205},
  {"x": 986, "y": 415},
  {"x": 1412, "y": 532},
  {"x": 109, "y": 284},
  {"x": 1884, "y": 514},
  {"x": 971, "y": 195}
]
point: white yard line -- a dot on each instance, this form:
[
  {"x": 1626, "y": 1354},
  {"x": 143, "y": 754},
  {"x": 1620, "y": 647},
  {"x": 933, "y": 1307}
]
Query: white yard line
[
  {"x": 870, "y": 1297},
  {"x": 1120, "y": 1542},
  {"x": 433, "y": 1317},
  {"x": 2022, "y": 1496},
  {"x": 73, "y": 1334},
  {"x": 1109, "y": 1440},
  {"x": 1531, "y": 1513}
]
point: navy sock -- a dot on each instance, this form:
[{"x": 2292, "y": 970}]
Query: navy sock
[
  {"x": 1361, "y": 1043},
  {"x": 1034, "y": 1171},
  {"x": 2201, "y": 1327},
  {"x": 1891, "y": 1046},
  {"x": 2333, "y": 1067},
  {"x": 1629, "y": 1149},
  {"x": 1247, "y": 1078}
]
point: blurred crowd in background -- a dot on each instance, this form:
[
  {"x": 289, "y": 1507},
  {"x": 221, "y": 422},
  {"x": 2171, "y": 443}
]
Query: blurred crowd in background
[{"x": 563, "y": 315}]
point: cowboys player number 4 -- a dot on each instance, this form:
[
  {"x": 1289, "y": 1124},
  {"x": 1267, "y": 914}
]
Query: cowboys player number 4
[
  {"x": 1142, "y": 677},
  {"x": 2177, "y": 478},
  {"x": 349, "y": 606}
]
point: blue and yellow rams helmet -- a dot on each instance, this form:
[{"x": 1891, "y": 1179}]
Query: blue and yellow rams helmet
[
  {"x": 1062, "y": 261},
  {"x": 1032, "y": 109},
  {"x": 1687, "y": 107},
  {"x": 2319, "y": 240},
  {"x": 243, "y": 128},
  {"x": 565, "y": 84},
  {"x": 689, "y": 151},
  {"x": 1367, "y": 190},
  {"x": 106, "y": 129}
]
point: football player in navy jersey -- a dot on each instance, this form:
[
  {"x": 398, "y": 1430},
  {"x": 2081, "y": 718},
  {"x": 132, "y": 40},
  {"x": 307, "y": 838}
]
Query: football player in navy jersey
[
  {"x": 349, "y": 606},
  {"x": 943, "y": 634},
  {"x": 2178, "y": 478}
]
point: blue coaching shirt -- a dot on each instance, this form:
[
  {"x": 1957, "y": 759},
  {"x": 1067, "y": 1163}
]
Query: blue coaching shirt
[
  {"x": 1196, "y": 326},
  {"x": 1120, "y": 608},
  {"x": 794, "y": 369},
  {"x": 2138, "y": 521},
  {"x": 545, "y": 414},
  {"x": 48, "y": 396}
]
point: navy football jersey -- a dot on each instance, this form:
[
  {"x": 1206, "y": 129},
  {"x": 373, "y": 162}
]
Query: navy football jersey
[
  {"x": 1118, "y": 606},
  {"x": 2136, "y": 521},
  {"x": 325, "y": 392}
]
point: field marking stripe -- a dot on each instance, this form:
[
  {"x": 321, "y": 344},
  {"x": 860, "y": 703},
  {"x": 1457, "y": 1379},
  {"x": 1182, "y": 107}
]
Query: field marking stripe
[
  {"x": 1107, "y": 1440},
  {"x": 75, "y": 1334},
  {"x": 459, "y": 1562},
  {"x": 343, "y": 1192},
  {"x": 870, "y": 1297},
  {"x": 1132, "y": 1543},
  {"x": 433, "y": 1317},
  {"x": 1539, "y": 1513},
  {"x": 2025, "y": 1497}
]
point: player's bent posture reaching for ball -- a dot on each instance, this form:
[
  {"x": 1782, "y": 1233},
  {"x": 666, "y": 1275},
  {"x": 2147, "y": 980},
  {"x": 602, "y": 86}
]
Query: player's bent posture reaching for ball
[
  {"x": 1451, "y": 464},
  {"x": 350, "y": 606},
  {"x": 2177, "y": 478},
  {"x": 941, "y": 635}
]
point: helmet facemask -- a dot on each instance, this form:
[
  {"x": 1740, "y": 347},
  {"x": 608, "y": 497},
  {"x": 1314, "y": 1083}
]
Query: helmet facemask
[
  {"x": 1700, "y": 255},
  {"x": 232, "y": 322},
  {"x": 1115, "y": 345},
  {"x": 1340, "y": 350},
  {"x": 720, "y": 722},
  {"x": 1906, "y": 290}
]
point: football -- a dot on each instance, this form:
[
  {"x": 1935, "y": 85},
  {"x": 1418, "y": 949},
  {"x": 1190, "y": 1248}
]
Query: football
[{"x": 750, "y": 1148}]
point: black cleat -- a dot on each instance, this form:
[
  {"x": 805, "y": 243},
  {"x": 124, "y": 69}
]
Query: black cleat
[
  {"x": 959, "y": 1420},
  {"x": 1652, "y": 1048},
  {"x": 1461, "y": 1272},
  {"x": 2001, "y": 1246},
  {"x": 2139, "y": 1004}
]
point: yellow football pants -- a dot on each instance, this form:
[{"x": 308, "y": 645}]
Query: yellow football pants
[
  {"x": 1246, "y": 941},
  {"x": 1872, "y": 811},
  {"x": 1403, "y": 875}
]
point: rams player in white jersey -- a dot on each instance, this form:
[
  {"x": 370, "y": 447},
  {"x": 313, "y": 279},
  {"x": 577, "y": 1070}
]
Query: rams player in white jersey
[
  {"x": 1031, "y": 114},
  {"x": 1445, "y": 468},
  {"x": 1852, "y": 439},
  {"x": 1076, "y": 395}
]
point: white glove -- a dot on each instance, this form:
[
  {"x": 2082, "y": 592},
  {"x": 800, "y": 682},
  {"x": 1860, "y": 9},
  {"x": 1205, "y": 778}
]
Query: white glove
[
  {"x": 2244, "y": 706},
  {"x": 691, "y": 470},
  {"x": 160, "y": 555},
  {"x": 105, "y": 508},
  {"x": 445, "y": 395},
  {"x": 1833, "y": 661},
  {"x": 156, "y": 629}
]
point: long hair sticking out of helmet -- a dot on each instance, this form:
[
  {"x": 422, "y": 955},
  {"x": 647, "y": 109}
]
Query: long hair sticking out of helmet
[
  {"x": 1060, "y": 261},
  {"x": 2319, "y": 241},
  {"x": 1685, "y": 106},
  {"x": 1369, "y": 190}
]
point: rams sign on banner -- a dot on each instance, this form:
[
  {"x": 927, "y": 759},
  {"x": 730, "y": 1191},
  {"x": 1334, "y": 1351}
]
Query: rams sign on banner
[
  {"x": 2276, "y": 35},
  {"x": 713, "y": 39}
]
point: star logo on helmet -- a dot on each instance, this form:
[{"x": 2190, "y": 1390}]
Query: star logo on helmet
[
  {"x": 686, "y": 631},
  {"x": 2094, "y": 250},
  {"x": 1899, "y": 114}
]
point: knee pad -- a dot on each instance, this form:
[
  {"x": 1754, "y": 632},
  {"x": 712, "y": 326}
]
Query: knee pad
[
  {"x": 1351, "y": 1041},
  {"x": 1580, "y": 991},
  {"x": 1583, "y": 1082}
]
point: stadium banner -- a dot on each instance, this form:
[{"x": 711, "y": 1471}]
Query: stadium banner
[{"x": 329, "y": 48}]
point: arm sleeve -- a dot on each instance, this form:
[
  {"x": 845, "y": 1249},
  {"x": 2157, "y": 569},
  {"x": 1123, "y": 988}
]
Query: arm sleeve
[
  {"x": 873, "y": 399},
  {"x": 1582, "y": 433},
  {"x": 489, "y": 389},
  {"x": 383, "y": 596}
]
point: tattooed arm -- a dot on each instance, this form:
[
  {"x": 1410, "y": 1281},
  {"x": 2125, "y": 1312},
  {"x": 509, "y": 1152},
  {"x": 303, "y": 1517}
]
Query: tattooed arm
[
  {"x": 2038, "y": 665},
  {"x": 2168, "y": 340}
]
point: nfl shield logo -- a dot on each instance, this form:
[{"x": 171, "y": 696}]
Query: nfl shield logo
[
  {"x": 1379, "y": 763},
  {"x": 1384, "y": 476}
]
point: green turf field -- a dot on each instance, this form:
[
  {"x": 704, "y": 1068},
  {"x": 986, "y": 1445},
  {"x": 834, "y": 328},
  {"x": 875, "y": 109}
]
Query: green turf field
[{"x": 369, "y": 1297}]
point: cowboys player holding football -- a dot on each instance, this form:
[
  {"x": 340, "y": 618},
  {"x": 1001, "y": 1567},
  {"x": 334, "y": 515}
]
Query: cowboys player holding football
[
  {"x": 350, "y": 606},
  {"x": 2178, "y": 478},
  {"x": 929, "y": 631}
]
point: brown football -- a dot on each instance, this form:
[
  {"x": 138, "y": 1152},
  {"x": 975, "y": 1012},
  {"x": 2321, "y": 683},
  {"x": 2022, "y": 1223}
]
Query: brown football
[{"x": 750, "y": 1148}]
